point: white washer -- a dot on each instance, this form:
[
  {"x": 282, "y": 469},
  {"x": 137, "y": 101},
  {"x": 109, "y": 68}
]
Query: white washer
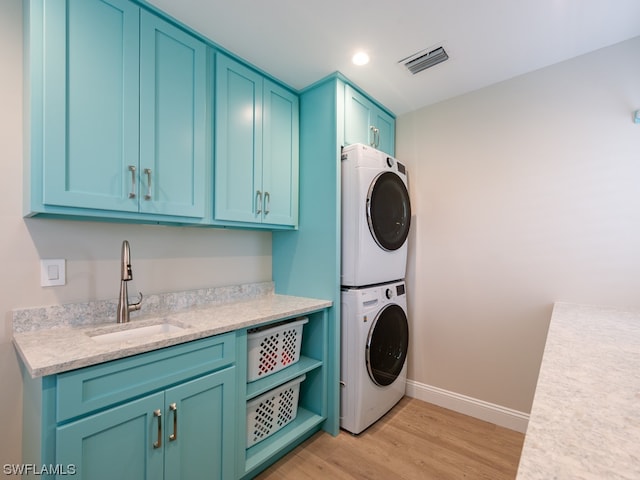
[
  {"x": 375, "y": 339},
  {"x": 376, "y": 215}
]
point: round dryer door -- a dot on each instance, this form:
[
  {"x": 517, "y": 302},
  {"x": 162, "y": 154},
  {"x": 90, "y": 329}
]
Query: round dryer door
[
  {"x": 387, "y": 345},
  {"x": 388, "y": 211}
]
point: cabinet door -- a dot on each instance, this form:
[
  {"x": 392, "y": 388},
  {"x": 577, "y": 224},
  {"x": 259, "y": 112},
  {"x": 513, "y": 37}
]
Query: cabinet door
[
  {"x": 90, "y": 127},
  {"x": 367, "y": 123},
  {"x": 386, "y": 126},
  {"x": 200, "y": 438},
  {"x": 117, "y": 443},
  {"x": 280, "y": 155},
  {"x": 238, "y": 145},
  {"x": 358, "y": 121},
  {"x": 173, "y": 99}
]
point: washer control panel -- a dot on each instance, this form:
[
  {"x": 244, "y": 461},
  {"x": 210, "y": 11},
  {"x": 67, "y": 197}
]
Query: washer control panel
[
  {"x": 394, "y": 291},
  {"x": 372, "y": 297}
]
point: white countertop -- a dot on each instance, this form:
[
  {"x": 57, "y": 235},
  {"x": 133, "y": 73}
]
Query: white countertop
[
  {"x": 585, "y": 419},
  {"x": 48, "y": 351}
]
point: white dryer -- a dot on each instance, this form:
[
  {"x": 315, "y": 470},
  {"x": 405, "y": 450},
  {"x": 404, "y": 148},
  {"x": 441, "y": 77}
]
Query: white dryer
[
  {"x": 374, "y": 343},
  {"x": 376, "y": 215}
]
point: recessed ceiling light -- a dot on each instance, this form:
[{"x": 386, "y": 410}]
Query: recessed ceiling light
[{"x": 360, "y": 58}]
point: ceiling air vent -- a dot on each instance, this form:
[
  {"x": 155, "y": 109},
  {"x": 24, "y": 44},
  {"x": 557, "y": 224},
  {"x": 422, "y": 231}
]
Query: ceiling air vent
[{"x": 422, "y": 60}]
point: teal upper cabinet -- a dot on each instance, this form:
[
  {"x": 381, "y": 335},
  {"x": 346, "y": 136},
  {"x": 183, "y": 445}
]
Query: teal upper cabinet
[
  {"x": 120, "y": 124},
  {"x": 238, "y": 143},
  {"x": 366, "y": 122},
  {"x": 256, "y": 145},
  {"x": 279, "y": 155},
  {"x": 173, "y": 109},
  {"x": 90, "y": 103}
]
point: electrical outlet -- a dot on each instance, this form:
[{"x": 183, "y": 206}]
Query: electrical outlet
[{"x": 52, "y": 272}]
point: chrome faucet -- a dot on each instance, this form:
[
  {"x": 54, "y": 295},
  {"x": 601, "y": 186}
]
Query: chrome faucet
[{"x": 124, "y": 308}]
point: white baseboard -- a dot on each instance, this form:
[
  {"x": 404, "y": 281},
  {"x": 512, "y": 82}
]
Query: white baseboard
[{"x": 489, "y": 412}]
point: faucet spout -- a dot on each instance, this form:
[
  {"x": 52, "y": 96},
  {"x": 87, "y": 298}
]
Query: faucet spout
[{"x": 126, "y": 274}]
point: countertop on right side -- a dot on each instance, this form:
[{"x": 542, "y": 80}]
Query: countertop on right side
[{"x": 585, "y": 419}]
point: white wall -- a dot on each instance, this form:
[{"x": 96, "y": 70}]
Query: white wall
[
  {"x": 524, "y": 193},
  {"x": 164, "y": 258}
]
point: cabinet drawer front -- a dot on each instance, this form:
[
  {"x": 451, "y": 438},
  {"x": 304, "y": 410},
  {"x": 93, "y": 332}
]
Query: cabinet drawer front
[{"x": 92, "y": 388}]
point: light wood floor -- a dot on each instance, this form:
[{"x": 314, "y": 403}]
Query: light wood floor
[{"x": 415, "y": 440}]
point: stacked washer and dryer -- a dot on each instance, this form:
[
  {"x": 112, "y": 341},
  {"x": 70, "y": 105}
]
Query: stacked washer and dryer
[{"x": 376, "y": 215}]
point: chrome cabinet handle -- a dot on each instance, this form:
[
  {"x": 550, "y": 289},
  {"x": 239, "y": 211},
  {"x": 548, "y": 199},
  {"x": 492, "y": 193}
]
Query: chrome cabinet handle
[
  {"x": 174, "y": 408},
  {"x": 267, "y": 202},
  {"x": 147, "y": 171},
  {"x": 376, "y": 137},
  {"x": 132, "y": 193},
  {"x": 258, "y": 202},
  {"x": 158, "y": 443}
]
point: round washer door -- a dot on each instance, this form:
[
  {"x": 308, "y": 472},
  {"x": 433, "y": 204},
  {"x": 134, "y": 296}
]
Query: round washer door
[
  {"x": 387, "y": 345},
  {"x": 388, "y": 211}
]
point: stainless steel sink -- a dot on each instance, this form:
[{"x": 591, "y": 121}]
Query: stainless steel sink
[{"x": 134, "y": 333}]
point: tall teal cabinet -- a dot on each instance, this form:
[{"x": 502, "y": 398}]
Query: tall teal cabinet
[
  {"x": 118, "y": 111},
  {"x": 307, "y": 262}
]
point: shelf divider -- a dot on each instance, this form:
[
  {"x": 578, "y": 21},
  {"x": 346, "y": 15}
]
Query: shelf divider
[{"x": 304, "y": 365}]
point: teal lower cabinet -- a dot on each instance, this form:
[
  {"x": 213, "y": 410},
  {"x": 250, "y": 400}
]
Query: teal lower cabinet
[
  {"x": 165, "y": 414},
  {"x": 175, "y": 434},
  {"x": 199, "y": 428},
  {"x": 114, "y": 443},
  {"x": 177, "y": 413}
]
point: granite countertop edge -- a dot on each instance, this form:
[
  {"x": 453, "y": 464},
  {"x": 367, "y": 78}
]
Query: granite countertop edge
[
  {"x": 56, "y": 350},
  {"x": 584, "y": 419}
]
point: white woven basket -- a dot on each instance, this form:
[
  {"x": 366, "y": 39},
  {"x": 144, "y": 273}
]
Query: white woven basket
[
  {"x": 271, "y": 411},
  {"x": 274, "y": 348}
]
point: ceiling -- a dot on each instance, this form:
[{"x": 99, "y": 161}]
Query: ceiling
[{"x": 488, "y": 41}]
